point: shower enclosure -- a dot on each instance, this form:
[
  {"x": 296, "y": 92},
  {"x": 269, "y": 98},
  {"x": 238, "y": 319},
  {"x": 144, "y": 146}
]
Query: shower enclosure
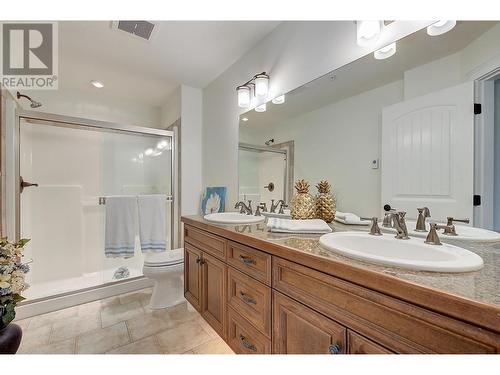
[{"x": 64, "y": 169}]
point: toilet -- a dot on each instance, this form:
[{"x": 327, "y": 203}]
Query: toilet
[{"x": 167, "y": 270}]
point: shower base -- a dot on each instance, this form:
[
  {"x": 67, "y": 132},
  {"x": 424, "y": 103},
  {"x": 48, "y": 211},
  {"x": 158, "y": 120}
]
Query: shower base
[{"x": 72, "y": 284}]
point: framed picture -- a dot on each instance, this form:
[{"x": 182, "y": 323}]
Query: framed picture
[{"x": 214, "y": 200}]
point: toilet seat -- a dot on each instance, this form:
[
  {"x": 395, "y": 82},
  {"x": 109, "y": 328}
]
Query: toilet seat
[{"x": 164, "y": 259}]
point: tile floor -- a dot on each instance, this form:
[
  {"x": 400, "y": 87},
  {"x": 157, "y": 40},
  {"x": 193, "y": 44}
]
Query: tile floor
[{"x": 122, "y": 324}]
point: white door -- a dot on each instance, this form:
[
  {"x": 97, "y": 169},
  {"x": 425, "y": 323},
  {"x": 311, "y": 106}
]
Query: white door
[{"x": 428, "y": 153}]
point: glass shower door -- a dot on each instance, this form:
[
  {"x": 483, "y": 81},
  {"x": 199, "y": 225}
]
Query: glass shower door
[{"x": 72, "y": 168}]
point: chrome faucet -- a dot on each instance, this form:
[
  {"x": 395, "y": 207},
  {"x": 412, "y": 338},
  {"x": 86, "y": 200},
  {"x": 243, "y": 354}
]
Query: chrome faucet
[
  {"x": 275, "y": 206},
  {"x": 449, "y": 230},
  {"x": 387, "y": 222},
  {"x": 374, "y": 230},
  {"x": 399, "y": 223},
  {"x": 244, "y": 209},
  {"x": 423, "y": 213},
  {"x": 432, "y": 237}
]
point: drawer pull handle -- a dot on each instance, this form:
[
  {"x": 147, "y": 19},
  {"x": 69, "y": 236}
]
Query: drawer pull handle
[
  {"x": 246, "y": 344},
  {"x": 247, "y": 261},
  {"x": 198, "y": 260},
  {"x": 334, "y": 349},
  {"x": 247, "y": 299}
]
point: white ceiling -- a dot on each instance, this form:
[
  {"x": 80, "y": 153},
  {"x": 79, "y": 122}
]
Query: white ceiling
[{"x": 180, "y": 52}]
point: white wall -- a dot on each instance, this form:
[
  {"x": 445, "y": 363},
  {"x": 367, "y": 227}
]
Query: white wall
[
  {"x": 81, "y": 104},
  {"x": 191, "y": 149},
  {"x": 293, "y": 54},
  {"x": 171, "y": 110}
]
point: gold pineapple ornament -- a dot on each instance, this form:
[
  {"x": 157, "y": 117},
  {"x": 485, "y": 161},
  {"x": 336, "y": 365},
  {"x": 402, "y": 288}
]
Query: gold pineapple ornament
[
  {"x": 325, "y": 202},
  {"x": 302, "y": 205}
]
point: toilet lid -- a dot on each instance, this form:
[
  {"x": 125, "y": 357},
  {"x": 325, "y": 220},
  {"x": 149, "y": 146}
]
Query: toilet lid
[{"x": 164, "y": 258}]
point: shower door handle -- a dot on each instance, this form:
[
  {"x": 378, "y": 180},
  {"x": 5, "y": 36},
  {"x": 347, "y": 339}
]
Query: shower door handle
[{"x": 25, "y": 184}]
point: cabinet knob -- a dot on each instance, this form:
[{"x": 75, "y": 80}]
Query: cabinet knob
[
  {"x": 247, "y": 345},
  {"x": 334, "y": 349}
]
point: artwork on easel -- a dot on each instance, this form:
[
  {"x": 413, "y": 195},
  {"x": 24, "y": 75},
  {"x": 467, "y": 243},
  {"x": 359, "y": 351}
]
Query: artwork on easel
[{"x": 213, "y": 200}]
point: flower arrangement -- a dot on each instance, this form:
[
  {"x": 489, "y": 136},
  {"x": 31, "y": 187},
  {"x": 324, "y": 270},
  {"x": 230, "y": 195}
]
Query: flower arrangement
[{"x": 12, "y": 283}]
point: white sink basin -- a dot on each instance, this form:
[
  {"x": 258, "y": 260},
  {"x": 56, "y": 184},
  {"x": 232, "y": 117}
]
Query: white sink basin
[
  {"x": 413, "y": 254},
  {"x": 233, "y": 218},
  {"x": 464, "y": 232}
]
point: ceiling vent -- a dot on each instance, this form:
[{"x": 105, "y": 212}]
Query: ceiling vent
[{"x": 142, "y": 29}]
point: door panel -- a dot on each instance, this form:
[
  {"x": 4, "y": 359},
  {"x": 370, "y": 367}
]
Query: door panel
[
  {"x": 214, "y": 274},
  {"x": 428, "y": 153},
  {"x": 300, "y": 330},
  {"x": 192, "y": 276}
]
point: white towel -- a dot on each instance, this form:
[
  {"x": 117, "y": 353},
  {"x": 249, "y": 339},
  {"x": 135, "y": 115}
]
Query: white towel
[
  {"x": 120, "y": 226},
  {"x": 309, "y": 226},
  {"x": 350, "y": 218},
  {"x": 152, "y": 224}
]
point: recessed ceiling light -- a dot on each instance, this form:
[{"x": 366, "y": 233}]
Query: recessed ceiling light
[
  {"x": 440, "y": 27},
  {"x": 244, "y": 119},
  {"x": 97, "y": 84}
]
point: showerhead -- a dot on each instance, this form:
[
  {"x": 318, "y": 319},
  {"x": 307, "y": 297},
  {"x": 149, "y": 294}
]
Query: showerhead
[{"x": 34, "y": 103}]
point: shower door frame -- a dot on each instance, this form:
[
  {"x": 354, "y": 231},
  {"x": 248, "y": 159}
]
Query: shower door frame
[{"x": 88, "y": 124}]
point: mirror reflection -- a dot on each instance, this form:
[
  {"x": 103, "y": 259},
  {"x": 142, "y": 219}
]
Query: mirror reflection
[{"x": 398, "y": 132}]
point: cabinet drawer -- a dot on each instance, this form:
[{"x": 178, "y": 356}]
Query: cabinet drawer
[
  {"x": 210, "y": 243},
  {"x": 250, "y": 299},
  {"x": 243, "y": 338},
  {"x": 300, "y": 330},
  {"x": 358, "y": 344},
  {"x": 395, "y": 324},
  {"x": 250, "y": 261}
]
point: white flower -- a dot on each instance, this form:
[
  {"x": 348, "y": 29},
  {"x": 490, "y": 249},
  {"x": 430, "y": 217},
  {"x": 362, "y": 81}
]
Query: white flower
[{"x": 213, "y": 204}]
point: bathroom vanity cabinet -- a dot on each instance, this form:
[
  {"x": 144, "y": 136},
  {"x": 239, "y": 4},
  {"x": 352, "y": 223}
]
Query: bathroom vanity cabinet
[{"x": 262, "y": 297}]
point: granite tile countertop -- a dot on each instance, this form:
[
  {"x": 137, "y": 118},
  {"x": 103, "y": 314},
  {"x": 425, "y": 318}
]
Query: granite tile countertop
[{"x": 482, "y": 286}]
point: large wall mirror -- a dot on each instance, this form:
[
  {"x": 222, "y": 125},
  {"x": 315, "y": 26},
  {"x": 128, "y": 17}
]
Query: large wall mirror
[{"x": 399, "y": 131}]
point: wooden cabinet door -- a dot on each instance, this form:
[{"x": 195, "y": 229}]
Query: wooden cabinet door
[
  {"x": 361, "y": 345},
  {"x": 192, "y": 276},
  {"x": 213, "y": 301},
  {"x": 300, "y": 330}
]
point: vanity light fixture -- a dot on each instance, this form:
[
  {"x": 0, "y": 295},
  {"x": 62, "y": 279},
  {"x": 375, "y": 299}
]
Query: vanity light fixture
[
  {"x": 97, "y": 84},
  {"x": 279, "y": 99},
  {"x": 260, "y": 85},
  {"x": 440, "y": 27},
  {"x": 385, "y": 52},
  {"x": 368, "y": 32},
  {"x": 261, "y": 108},
  {"x": 243, "y": 96}
]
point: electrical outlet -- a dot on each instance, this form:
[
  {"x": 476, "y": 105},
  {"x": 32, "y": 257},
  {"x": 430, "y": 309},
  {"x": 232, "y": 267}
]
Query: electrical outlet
[{"x": 375, "y": 163}]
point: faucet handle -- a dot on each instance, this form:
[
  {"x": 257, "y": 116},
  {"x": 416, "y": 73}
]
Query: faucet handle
[
  {"x": 424, "y": 211},
  {"x": 374, "y": 230},
  {"x": 281, "y": 211},
  {"x": 263, "y": 206},
  {"x": 451, "y": 219}
]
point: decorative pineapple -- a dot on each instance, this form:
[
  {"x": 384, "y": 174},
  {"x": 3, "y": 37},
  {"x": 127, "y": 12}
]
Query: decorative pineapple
[
  {"x": 325, "y": 202},
  {"x": 302, "y": 205}
]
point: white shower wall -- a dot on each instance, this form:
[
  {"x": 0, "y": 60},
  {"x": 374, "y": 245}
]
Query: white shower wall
[{"x": 73, "y": 168}]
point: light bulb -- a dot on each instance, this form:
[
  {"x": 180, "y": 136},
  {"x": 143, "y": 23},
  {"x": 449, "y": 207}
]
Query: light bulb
[
  {"x": 279, "y": 99},
  {"x": 244, "y": 119},
  {"x": 243, "y": 96},
  {"x": 385, "y": 52},
  {"x": 162, "y": 144},
  {"x": 261, "y": 86},
  {"x": 148, "y": 152},
  {"x": 440, "y": 27},
  {"x": 368, "y": 32},
  {"x": 97, "y": 84},
  {"x": 261, "y": 108}
]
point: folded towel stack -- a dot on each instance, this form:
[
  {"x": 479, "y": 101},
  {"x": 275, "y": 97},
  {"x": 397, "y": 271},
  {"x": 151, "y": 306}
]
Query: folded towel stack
[
  {"x": 350, "y": 218},
  {"x": 312, "y": 226}
]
